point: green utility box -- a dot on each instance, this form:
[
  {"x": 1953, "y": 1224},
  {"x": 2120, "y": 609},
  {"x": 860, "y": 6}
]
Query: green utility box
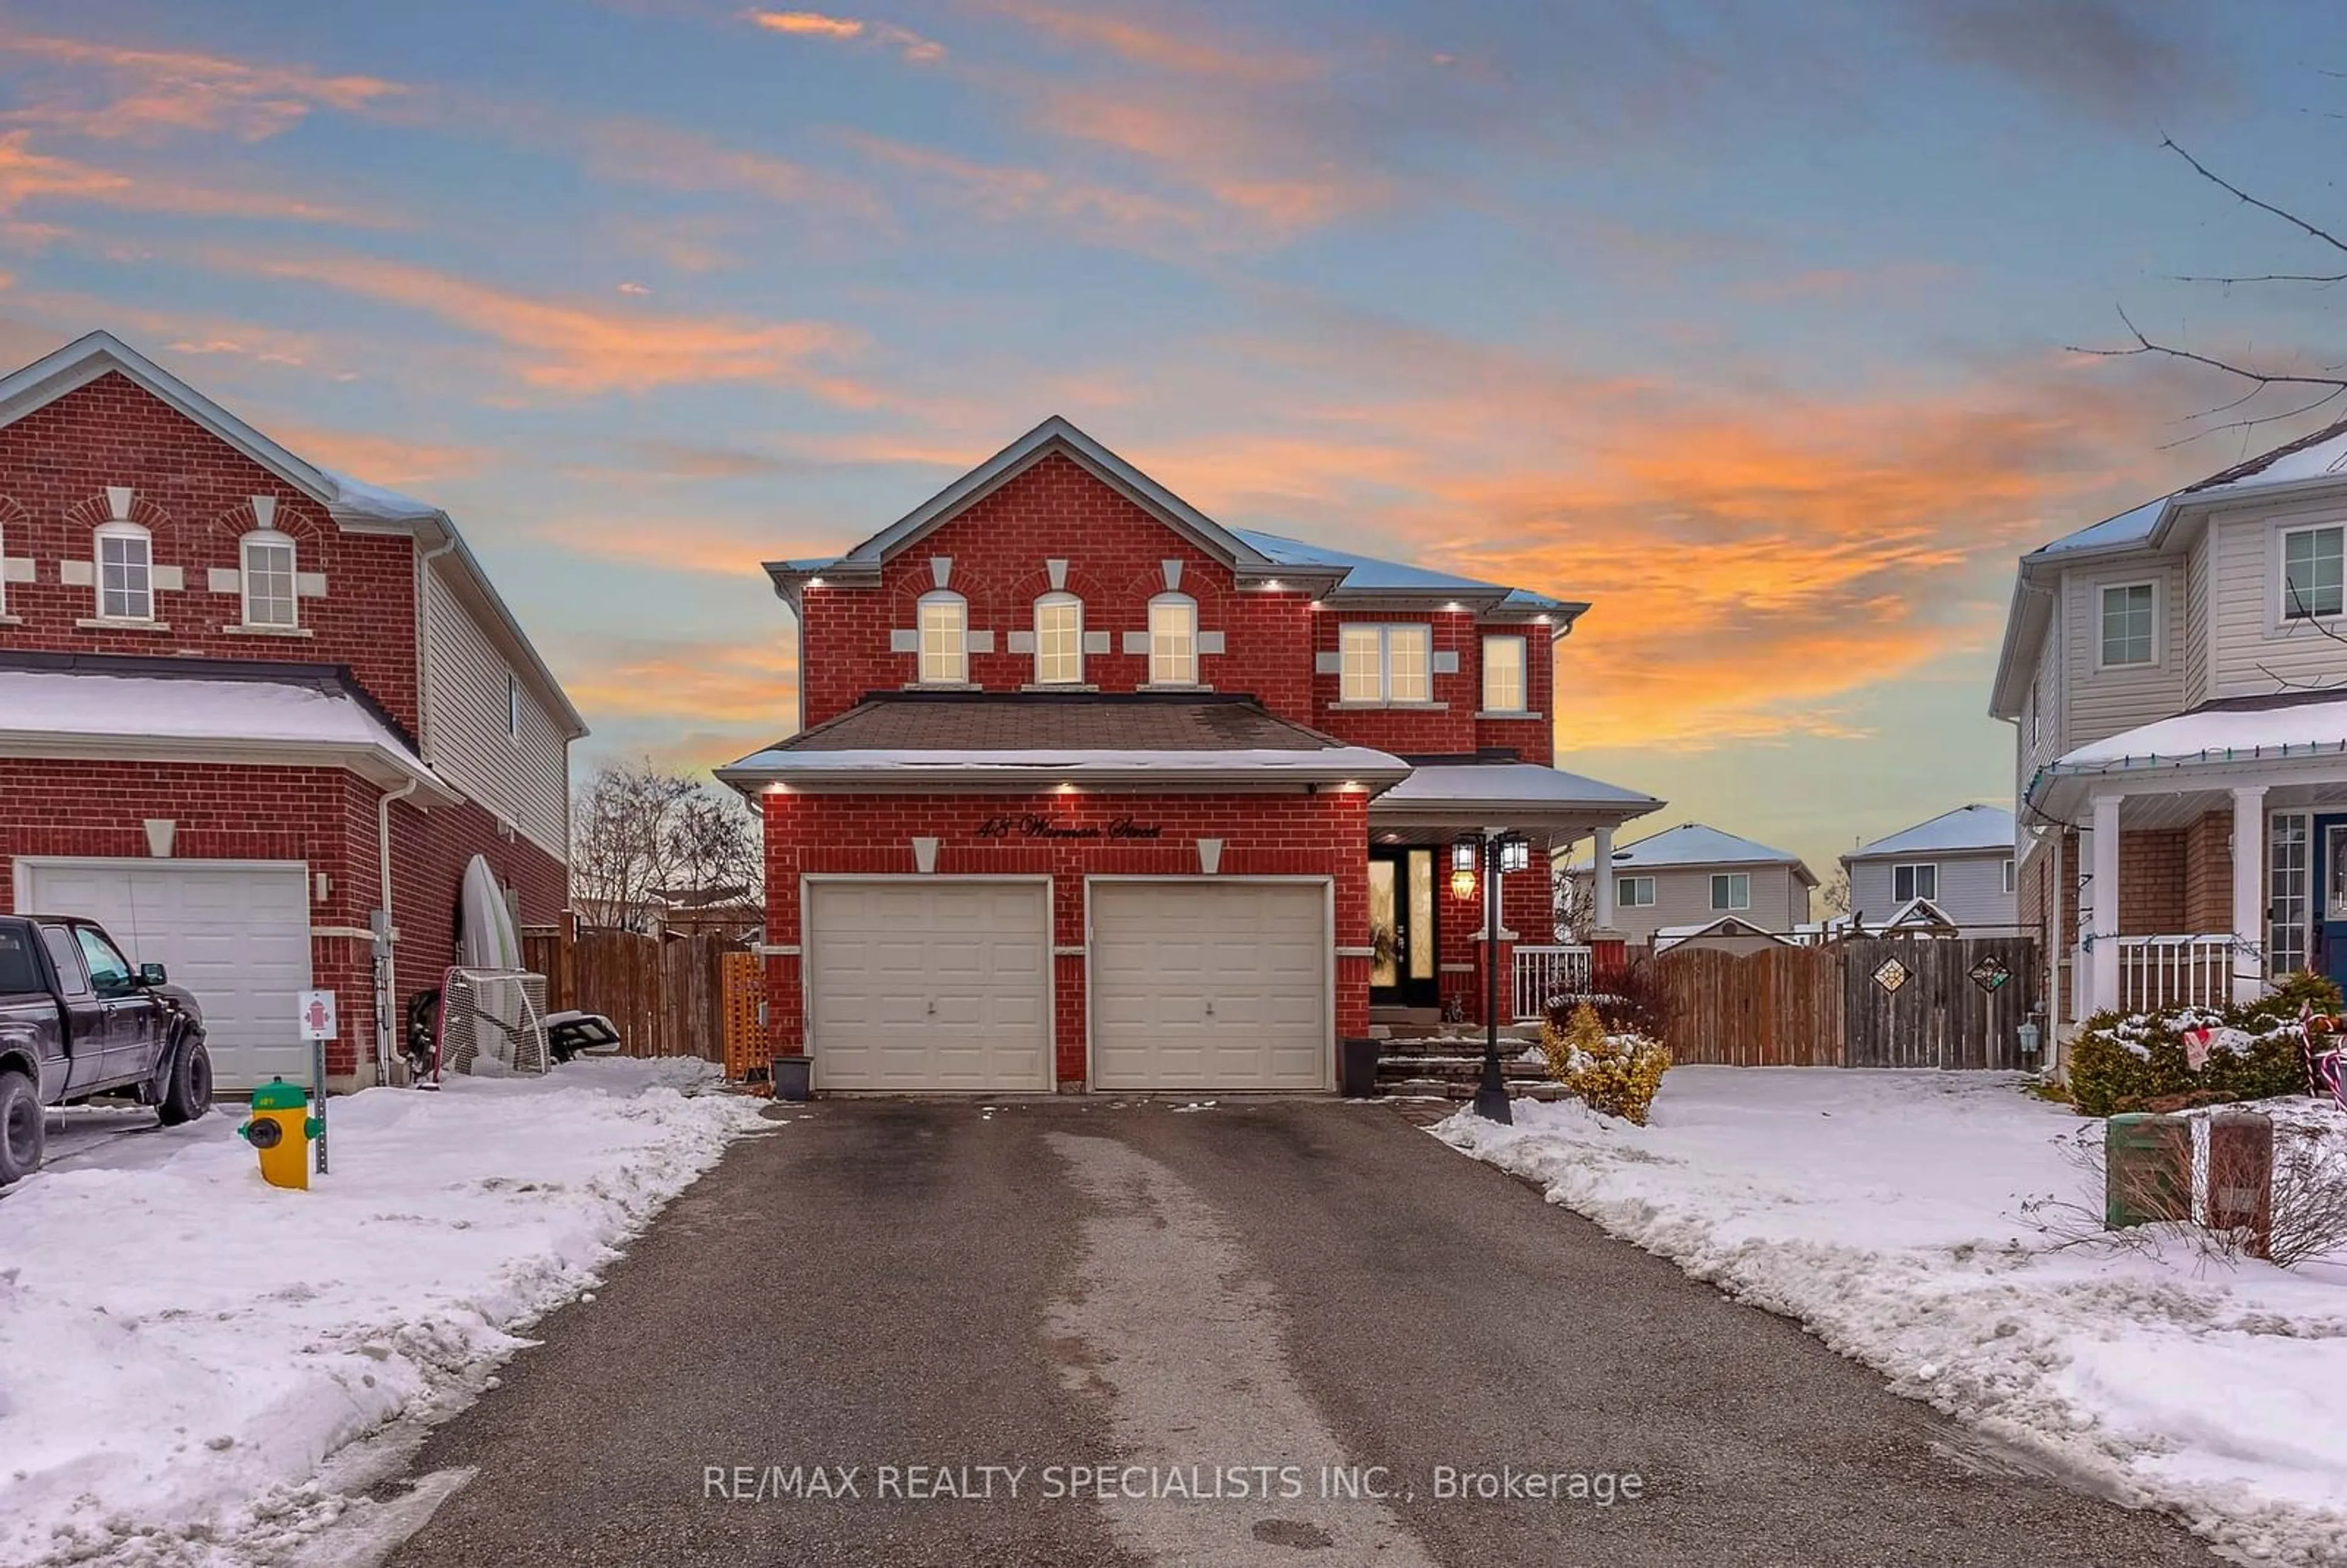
[{"x": 2146, "y": 1169}]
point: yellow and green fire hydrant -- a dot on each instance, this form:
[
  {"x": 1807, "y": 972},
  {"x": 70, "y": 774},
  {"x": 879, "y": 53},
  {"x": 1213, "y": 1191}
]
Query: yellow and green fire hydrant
[{"x": 280, "y": 1131}]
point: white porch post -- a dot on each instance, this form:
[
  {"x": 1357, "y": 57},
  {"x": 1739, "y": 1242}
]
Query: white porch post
[
  {"x": 2249, "y": 892},
  {"x": 1603, "y": 871},
  {"x": 2103, "y": 958}
]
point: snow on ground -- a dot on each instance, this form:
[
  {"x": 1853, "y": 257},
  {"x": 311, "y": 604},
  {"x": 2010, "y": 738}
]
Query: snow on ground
[
  {"x": 1884, "y": 1211},
  {"x": 181, "y": 1344}
]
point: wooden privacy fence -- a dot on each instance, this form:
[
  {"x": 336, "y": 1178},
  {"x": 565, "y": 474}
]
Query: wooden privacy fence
[
  {"x": 666, "y": 994},
  {"x": 1865, "y": 1001}
]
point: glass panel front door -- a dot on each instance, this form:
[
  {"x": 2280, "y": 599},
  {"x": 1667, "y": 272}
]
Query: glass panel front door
[
  {"x": 2330, "y": 954},
  {"x": 1404, "y": 962}
]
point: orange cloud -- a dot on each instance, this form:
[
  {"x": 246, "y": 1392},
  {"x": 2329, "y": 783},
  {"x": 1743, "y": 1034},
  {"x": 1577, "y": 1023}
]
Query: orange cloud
[
  {"x": 159, "y": 93},
  {"x": 1161, "y": 49},
  {"x": 584, "y": 347},
  {"x": 378, "y": 458},
  {"x": 26, "y": 176},
  {"x": 693, "y": 704},
  {"x": 693, "y": 544},
  {"x": 816, "y": 24}
]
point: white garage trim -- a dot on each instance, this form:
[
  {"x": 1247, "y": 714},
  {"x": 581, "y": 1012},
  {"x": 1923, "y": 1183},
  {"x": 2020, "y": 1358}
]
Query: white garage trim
[
  {"x": 1327, "y": 885},
  {"x": 809, "y": 881}
]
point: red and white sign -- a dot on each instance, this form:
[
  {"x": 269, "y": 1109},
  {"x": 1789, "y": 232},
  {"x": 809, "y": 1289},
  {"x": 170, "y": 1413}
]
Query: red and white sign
[{"x": 317, "y": 1015}]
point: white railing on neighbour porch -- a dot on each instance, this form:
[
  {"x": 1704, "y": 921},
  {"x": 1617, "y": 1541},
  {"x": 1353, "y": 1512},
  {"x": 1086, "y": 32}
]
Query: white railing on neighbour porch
[
  {"x": 1543, "y": 974},
  {"x": 2158, "y": 972}
]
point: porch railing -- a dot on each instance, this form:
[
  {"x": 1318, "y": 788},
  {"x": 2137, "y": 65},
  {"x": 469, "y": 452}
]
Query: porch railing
[
  {"x": 1543, "y": 974},
  {"x": 2158, "y": 972}
]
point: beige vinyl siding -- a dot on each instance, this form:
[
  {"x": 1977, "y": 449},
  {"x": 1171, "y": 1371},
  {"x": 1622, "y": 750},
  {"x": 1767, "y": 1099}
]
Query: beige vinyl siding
[
  {"x": 2194, "y": 649},
  {"x": 1683, "y": 898},
  {"x": 523, "y": 778},
  {"x": 2047, "y": 703},
  {"x": 2101, "y": 703},
  {"x": 1971, "y": 887},
  {"x": 2257, "y": 652}
]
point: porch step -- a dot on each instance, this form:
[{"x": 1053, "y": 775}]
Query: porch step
[
  {"x": 1453, "y": 1039},
  {"x": 1463, "y": 1068}
]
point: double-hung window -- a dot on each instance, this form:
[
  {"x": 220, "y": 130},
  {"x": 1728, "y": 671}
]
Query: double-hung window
[
  {"x": 1731, "y": 890},
  {"x": 1909, "y": 883},
  {"x": 267, "y": 559},
  {"x": 2311, "y": 573},
  {"x": 1635, "y": 892},
  {"x": 2009, "y": 882},
  {"x": 2128, "y": 611},
  {"x": 1386, "y": 663},
  {"x": 944, "y": 631},
  {"x": 1503, "y": 676},
  {"x": 1173, "y": 640},
  {"x": 1058, "y": 640},
  {"x": 126, "y": 572}
]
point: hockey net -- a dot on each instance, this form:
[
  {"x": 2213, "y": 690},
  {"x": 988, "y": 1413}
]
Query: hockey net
[{"x": 492, "y": 1023}]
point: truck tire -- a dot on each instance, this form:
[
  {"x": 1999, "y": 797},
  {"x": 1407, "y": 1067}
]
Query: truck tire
[
  {"x": 188, "y": 1091},
  {"x": 23, "y": 1127}
]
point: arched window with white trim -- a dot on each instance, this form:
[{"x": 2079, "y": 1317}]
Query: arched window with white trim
[
  {"x": 266, "y": 557},
  {"x": 126, "y": 572},
  {"x": 1058, "y": 640},
  {"x": 1173, "y": 640},
  {"x": 943, "y": 621}
]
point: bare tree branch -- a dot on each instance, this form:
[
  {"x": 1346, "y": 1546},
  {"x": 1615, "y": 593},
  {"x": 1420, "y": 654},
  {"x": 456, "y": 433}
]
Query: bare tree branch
[{"x": 2221, "y": 183}]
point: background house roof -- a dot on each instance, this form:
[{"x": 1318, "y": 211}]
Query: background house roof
[
  {"x": 1691, "y": 843},
  {"x": 1966, "y": 827}
]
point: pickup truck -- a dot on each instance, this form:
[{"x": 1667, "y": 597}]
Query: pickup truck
[{"x": 76, "y": 1020}]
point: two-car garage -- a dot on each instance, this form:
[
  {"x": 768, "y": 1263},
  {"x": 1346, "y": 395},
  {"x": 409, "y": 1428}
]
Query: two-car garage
[{"x": 922, "y": 984}]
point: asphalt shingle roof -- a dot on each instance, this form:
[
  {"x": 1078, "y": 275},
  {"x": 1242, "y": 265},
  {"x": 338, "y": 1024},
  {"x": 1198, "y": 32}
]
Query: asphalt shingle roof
[{"x": 1025, "y": 722}]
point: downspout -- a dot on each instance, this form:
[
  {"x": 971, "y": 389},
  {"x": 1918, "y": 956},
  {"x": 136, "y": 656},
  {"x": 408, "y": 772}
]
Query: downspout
[{"x": 390, "y": 1002}]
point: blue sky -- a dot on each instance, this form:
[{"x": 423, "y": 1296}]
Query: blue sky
[{"x": 1746, "y": 322}]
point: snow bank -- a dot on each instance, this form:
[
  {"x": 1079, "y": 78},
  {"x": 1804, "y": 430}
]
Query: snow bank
[
  {"x": 181, "y": 1346},
  {"x": 1882, "y": 1211}
]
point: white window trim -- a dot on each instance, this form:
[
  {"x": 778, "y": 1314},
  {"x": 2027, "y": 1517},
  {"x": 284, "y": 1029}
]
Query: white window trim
[
  {"x": 2284, "y": 620},
  {"x": 1912, "y": 867},
  {"x": 1385, "y": 698},
  {"x": 2103, "y": 590},
  {"x": 1731, "y": 878},
  {"x": 1623, "y": 897},
  {"x": 920, "y": 640},
  {"x": 1056, "y": 599},
  {"x": 1172, "y": 601},
  {"x": 273, "y": 537},
  {"x": 1524, "y": 677},
  {"x": 120, "y": 530},
  {"x": 2011, "y": 875}
]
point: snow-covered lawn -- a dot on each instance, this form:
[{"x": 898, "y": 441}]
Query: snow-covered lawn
[
  {"x": 1884, "y": 1211},
  {"x": 181, "y": 1346}
]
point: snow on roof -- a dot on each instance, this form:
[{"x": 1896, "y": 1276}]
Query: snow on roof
[
  {"x": 1693, "y": 843},
  {"x": 356, "y": 498},
  {"x": 2218, "y": 735},
  {"x": 1360, "y": 762},
  {"x": 1520, "y": 782},
  {"x": 1364, "y": 573},
  {"x": 1966, "y": 827},
  {"x": 1725, "y": 925},
  {"x": 2322, "y": 455},
  {"x": 40, "y": 704}
]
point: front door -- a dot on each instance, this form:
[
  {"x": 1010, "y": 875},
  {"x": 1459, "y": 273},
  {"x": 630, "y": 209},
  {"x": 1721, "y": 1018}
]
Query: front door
[
  {"x": 1404, "y": 966},
  {"x": 2330, "y": 954}
]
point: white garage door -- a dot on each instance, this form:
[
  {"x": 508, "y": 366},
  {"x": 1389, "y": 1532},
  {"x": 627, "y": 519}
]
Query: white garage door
[
  {"x": 1210, "y": 985},
  {"x": 238, "y": 937},
  {"x": 916, "y": 984}
]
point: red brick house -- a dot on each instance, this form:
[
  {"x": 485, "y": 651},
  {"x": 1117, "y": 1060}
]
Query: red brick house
[
  {"x": 1091, "y": 791},
  {"x": 246, "y": 702}
]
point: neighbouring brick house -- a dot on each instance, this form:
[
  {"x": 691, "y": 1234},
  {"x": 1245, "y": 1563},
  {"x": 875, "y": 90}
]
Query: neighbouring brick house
[
  {"x": 235, "y": 686},
  {"x": 2177, "y": 676},
  {"x": 1092, "y": 792}
]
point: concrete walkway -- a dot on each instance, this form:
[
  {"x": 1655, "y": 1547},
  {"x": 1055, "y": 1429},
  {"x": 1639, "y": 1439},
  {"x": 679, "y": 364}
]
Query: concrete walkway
[{"x": 1310, "y": 1309}]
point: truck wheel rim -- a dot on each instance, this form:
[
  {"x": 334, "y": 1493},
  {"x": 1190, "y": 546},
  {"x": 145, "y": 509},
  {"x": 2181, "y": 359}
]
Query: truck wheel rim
[
  {"x": 200, "y": 1082},
  {"x": 21, "y": 1132}
]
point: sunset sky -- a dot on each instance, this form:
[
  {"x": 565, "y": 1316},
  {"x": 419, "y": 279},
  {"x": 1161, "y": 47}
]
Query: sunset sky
[{"x": 1745, "y": 322}]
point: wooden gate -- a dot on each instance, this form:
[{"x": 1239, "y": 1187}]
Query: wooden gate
[
  {"x": 1951, "y": 1002},
  {"x": 1915, "y": 1001},
  {"x": 666, "y": 995}
]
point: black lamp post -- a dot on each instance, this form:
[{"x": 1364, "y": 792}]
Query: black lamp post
[{"x": 1498, "y": 853}]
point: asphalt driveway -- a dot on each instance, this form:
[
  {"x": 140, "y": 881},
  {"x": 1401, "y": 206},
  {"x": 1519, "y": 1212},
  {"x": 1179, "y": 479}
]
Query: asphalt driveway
[{"x": 1255, "y": 1334}]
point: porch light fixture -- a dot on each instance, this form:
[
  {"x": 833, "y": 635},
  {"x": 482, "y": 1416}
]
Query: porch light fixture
[
  {"x": 1462, "y": 886},
  {"x": 814, "y": 582},
  {"x": 1465, "y": 853},
  {"x": 1515, "y": 853}
]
